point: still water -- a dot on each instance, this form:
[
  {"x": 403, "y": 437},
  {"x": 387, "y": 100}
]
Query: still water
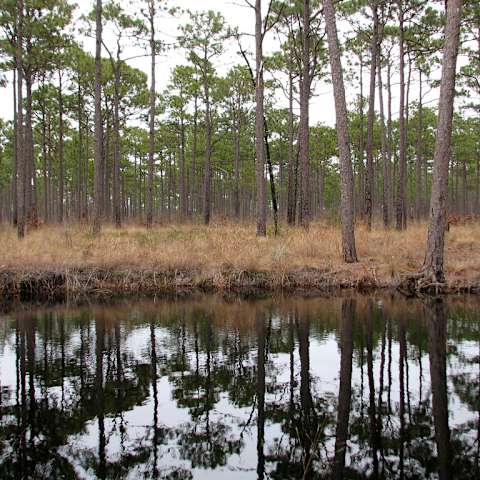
[{"x": 352, "y": 387}]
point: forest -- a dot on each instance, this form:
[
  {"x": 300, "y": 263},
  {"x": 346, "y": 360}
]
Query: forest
[{"x": 335, "y": 136}]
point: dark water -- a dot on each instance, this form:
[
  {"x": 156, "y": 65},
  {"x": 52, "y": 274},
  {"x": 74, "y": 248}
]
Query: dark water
[{"x": 207, "y": 389}]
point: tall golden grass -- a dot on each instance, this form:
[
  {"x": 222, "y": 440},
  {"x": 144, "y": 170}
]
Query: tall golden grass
[{"x": 383, "y": 254}]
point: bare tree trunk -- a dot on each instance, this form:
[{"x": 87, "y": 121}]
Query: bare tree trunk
[
  {"x": 304, "y": 133},
  {"x": 20, "y": 126},
  {"x": 371, "y": 118},
  {"x": 401, "y": 217},
  {"x": 183, "y": 186},
  {"x": 193, "y": 179},
  {"x": 261, "y": 204},
  {"x": 30, "y": 171},
  {"x": 347, "y": 212},
  {"x": 61, "y": 186},
  {"x": 390, "y": 138},
  {"x": 207, "y": 174},
  {"x": 45, "y": 164},
  {"x": 291, "y": 201},
  {"x": 236, "y": 166},
  {"x": 117, "y": 211},
  {"x": 107, "y": 204},
  {"x": 433, "y": 269},
  {"x": 81, "y": 153},
  {"x": 15, "y": 145},
  {"x": 419, "y": 157},
  {"x": 385, "y": 157},
  {"x": 98, "y": 170},
  {"x": 464, "y": 187},
  {"x": 151, "y": 151},
  {"x": 477, "y": 182},
  {"x": 360, "y": 204}
]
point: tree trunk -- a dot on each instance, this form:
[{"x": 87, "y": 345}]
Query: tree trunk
[
  {"x": 207, "y": 174},
  {"x": 391, "y": 201},
  {"x": 107, "y": 204},
  {"x": 291, "y": 200},
  {"x": 433, "y": 268},
  {"x": 80, "y": 210},
  {"x": 360, "y": 204},
  {"x": 261, "y": 204},
  {"x": 419, "y": 157},
  {"x": 151, "y": 149},
  {"x": 236, "y": 166},
  {"x": 20, "y": 126},
  {"x": 347, "y": 211},
  {"x": 44, "y": 162},
  {"x": 401, "y": 218},
  {"x": 385, "y": 157},
  {"x": 98, "y": 161},
  {"x": 371, "y": 118},
  {"x": 61, "y": 185},
  {"x": 183, "y": 186},
  {"x": 193, "y": 178},
  {"x": 117, "y": 211},
  {"x": 477, "y": 183},
  {"x": 304, "y": 132},
  {"x": 15, "y": 145},
  {"x": 30, "y": 171}
]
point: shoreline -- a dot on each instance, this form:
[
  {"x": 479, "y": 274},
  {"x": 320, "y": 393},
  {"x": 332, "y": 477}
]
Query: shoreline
[
  {"x": 62, "y": 262},
  {"x": 61, "y": 284}
]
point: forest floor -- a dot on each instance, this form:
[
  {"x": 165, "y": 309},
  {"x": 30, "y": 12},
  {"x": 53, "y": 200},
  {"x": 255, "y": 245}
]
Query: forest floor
[{"x": 55, "y": 261}]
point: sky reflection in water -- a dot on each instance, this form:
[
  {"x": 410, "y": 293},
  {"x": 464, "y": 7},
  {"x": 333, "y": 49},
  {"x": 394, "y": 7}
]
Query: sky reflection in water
[{"x": 353, "y": 387}]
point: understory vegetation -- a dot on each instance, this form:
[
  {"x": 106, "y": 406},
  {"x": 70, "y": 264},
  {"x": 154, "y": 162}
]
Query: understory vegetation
[{"x": 194, "y": 255}]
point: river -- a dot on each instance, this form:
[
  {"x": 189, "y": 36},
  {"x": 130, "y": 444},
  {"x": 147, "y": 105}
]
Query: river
[{"x": 208, "y": 388}]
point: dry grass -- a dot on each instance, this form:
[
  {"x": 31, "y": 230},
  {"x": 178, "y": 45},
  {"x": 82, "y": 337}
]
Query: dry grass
[{"x": 383, "y": 255}]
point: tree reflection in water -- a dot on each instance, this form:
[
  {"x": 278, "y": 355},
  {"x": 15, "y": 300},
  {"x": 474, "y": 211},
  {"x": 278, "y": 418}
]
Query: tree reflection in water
[{"x": 365, "y": 387}]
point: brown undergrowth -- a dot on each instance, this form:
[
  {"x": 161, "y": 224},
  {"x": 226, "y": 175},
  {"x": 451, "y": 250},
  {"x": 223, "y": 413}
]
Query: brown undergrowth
[{"x": 57, "y": 260}]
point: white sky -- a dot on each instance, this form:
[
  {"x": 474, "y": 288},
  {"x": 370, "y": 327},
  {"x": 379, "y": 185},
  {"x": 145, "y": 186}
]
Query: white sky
[{"x": 236, "y": 15}]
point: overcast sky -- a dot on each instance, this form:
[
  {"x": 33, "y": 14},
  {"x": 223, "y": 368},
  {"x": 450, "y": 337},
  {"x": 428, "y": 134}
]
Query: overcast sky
[{"x": 236, "y": 14}]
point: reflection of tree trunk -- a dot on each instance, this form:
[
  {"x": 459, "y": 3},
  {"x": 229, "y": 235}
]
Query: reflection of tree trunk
[
  {"x": 21, "y": 376},
  {"x": 345, "y": 390},
  {"x": 82, "y": 360},
  {"x": 208, "y": 388},
  {"x": 62, "y": 359},
  {"x": 260, "y": 388},
  {"x": 389, "y": 368},
  {"x": 402, "y": 350},
  {"x": 437, "y": 343},
  {"x": 407, "y": 390},
  {"x": 155, "y": 397},
  {"x": 380, "y": 390},
  {"x": 30, "y": 333},
  {"x": 292, "y": 365},
  {"x": 371, "y": 389},
  {"x": 382, "y": 367},
  {"x": 99, "y": 347},
  {"x": 420, "y": 376},
  {"x": 306, "y": 401},
  {"x": 477, "y": 454}
]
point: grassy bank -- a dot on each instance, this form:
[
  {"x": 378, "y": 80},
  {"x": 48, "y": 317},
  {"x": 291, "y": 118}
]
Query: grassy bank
[{"x": 59, "y": 260}]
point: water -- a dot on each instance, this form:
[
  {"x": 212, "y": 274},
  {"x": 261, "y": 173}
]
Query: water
[{"x": 207, "y": 389}]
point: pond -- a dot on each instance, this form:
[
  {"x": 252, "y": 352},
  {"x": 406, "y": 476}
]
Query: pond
[{"x": 208, "y": 388}]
